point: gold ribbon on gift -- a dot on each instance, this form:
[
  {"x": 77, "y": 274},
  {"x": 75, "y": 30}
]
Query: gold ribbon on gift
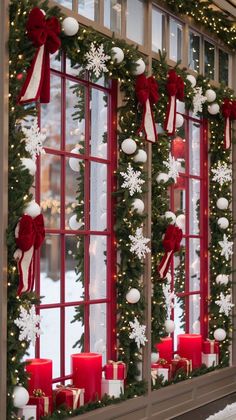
[
  {"x": 188, "y": 363},
  {"x": 40, "y": 394},
  {"x": 115, "y": 368},
  {"x": 162, "y": 361},
  {"x": 76, "y": 392},
  {"x": 212, "y": 345},
  {"x": 154, "y": 375}
]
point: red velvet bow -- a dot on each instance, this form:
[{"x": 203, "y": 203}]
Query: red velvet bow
[
  {"x": 171, "y": 244},
  {"x": 31, "y": 232},
  {"x": 175, "y": 90},
  {"x": 228, "y": 109},
  {"x": 146, "y": 90},
  {"x": 43, "y": 33}
]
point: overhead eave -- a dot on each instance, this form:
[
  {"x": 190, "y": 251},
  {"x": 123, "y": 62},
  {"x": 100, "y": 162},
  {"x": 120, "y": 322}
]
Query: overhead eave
[{"x": 228, "y": 6}]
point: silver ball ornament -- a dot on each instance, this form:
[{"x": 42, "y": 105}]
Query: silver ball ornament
[
  {"x": 140, "y": 67},
  {"x": 170, "y": 215},
  {"x": 117, "y": 54},
  {"x": 138, "y": 205},
  {"x": 29, "y": 164},
  {"x": 210, "y": 95},
  {"x": 213, "y": 109},
  {"x": 133, "y": 295},
  {"x": 169, "y": 326},
  {"x": 141, "y": 156},
  {"x": 162, "y": 177},
  {"x": 192, "y": 80},
  {"x": 70, "y": 26},
  {"x": 179, "y": 121},
  {"x": 222, "y": 279},
  {"x": 32, "y": 209},
  {"x": 20, "y": 396},
  {"x": 223, "y": 222},
  {"x": 219, "y": 334},
  {"x": 222, "y": 203},
  {"x": 129, "y": 146}
]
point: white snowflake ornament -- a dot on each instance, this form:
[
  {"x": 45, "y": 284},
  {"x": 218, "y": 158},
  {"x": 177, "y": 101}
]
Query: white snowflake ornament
[
  {"x": 28, "y": 324},
  {"x": 132, "y": 180},
  {"x": 138, "y": 333},
  {"x": 226, "y": 247},
  {"x": 138, "y": 244},
  {"x": 34, "y": 139},
  {"x": 222, "y": 173},
  {"x": 225, "y": 304},
  {"x": 198, "y": 100},
  {"x": 173, "y": 167},
  {"x": 169, "y": 298},
  {"x": 96, "y": 60}
]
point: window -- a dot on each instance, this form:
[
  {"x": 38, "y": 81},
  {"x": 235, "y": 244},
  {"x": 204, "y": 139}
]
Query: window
[
  {"x": 88, "y": 9},
  {"x": 223, "y": 67},
  {"x": 112, "y": 15},
  {"x": 74, "y": 187},
  {"x": 209, "y": 62},
  {"x": 135, "y": 21},
  {"x": 194, "y": 51},
  {"x": 175, "y": 40},
  {"x": 65, "y": 3},
  {"x": 158, "y": 19}
]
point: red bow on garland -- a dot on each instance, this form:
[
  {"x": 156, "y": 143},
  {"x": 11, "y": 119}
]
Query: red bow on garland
[
  {"x": 44, "y": 35},
  {"x": 30, "y": 234},
  {"x": 146, "y": 90},
  {"x": 229, "y": 112},
  {"x": 171, "y": 244},
  {"x": 175, "y": 90}
]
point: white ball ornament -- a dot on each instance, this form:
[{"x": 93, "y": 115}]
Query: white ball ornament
[
  {"x": 169, "y": 326},
  {"x": 210, "y": 95},
  {"x": 179, "y": 121},
  {"x": 128, "y": 146},
  {"x": 32, "y": 209},
  {"x": 213, "y": 109},
  {"x": 223, "y": 223},
  {"x": 170, "y": 215},
  {"x": 117, "y": 54},
  {"x": 219, "y": 334},
  {"x": 141, "y": 156},
  {"x": 73, "y": 223},
  {"x": 29, "y": 164},
  {"x": 180, "y": 221},
  {"x": 70, "y": 26},
  {"x": 140, "y": 67},
  {"x": 74, "y": 163},
  {"x": 20, "y": 396},
  {"x": 154, "y": 357},
  {"x": 138, "y": 205},
  {"x": 192, "y": 80},
  {"x": 133, "y": 295},
  {"x": 162, "y": 177},
  {"x": 222, "y": 279},
  {"x": 222, "y": 203}
]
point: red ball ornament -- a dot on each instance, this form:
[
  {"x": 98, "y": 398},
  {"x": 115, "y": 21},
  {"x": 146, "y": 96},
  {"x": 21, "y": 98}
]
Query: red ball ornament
[
  {"x": 178, "y": 148},
  {"x": 19, "y": 76}
]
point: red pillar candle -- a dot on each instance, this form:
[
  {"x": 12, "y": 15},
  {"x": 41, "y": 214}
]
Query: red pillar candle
[
  {"x": 40, "y": 375},
  {"x": 87, "y": 373},
  {"x": 165, "y": 348},
  {"x": 190, "y": 346}
]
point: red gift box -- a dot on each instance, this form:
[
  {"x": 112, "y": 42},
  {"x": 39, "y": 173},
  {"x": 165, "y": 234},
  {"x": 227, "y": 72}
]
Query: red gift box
[
  {"x": 42, "y": 402},
  {"x": 163, "y": 364},
  {"x": 70, "y": 396},
  {"x": 115, "y": 370},
  {"x": 210, "y": 347},
  {"x": 181, "y": 363}
]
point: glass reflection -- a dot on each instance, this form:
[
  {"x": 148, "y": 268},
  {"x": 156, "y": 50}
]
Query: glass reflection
[
  {"x": 209, "y": 60},
  {"x": 74, "y": 194},
  {"x": 135, "y": 21},
  {"x": 194, "y": 206},
  {"x": 88, "y": 8},
  {"x": 50, "y": 325},
  {"x": 194, "y": 148},
  {"x": 194, "y": 51},
  {"x": 51, "y": 115},
  {"x": 99, "y": 117},
  {"x": 194, "y": 264},
  {"x": 65, "y": 3},
  {"x": 74, "y": 278},
  {"x": 98, "y": 329},
  {"x": 194, "y": 314},
  {"x": 175, "y": 40},
  {"x": 50, "y": 190},
  {"x": 98, "y": 196},
  {"x": 157, "y": 29},
  {"x": 112, "y": 14},
  {"x": 75, "y": 116},
  {"x": 223, "y": 67},
  {"x": 98, "y": 267},
  {"x": 50, "y": 274}
]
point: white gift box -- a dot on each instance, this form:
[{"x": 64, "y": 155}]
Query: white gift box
[
  {"x": 28, "y": 411},
  {"x": 112, "y": 387},
  {"x": 209, "y": 359},
  {"x": 163, "y": 372}
]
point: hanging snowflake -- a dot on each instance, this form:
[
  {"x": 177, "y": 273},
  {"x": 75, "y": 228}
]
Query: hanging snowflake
[
  {"x": 198, "y": 100},
  {"x": 169, "y": 298},
  {"x": 222, "y": 173},
  {"x": 138, "y": 333},
  {"x": 227, "y": 247},
  {"x": 34, "y": 139},
  {"x": 28, "y": 324},
  {"x": 132, "y": 180},
  {"x": 97, "y": 59},
  {"x": 173, "y": 167},
  {"x": 225, "y": 304},
  {"x": 139, "y": 242}
]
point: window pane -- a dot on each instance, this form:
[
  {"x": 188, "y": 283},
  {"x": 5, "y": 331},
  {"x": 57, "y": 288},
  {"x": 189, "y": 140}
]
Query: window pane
[
  {"x": 74, "y": 186},
  {"x": 50, "y": 190},
  {"x": 112, "y": 15},
  {"x": 74, "y": 69},
  {"x": 98, "y": 267},
  {"x": 209, "y": 60},
  {"x": 99, "y": 133},
  {"x": 179, "y": 318},
  {"x": 73, "y": 332},
  {"x": 194, "y": 264},
  {"x": 51, "y": 115},
  {"x": 194, "y": 148},
  {"x": 223, "y": 67},
  {"x": 75, "y": 103},
  {"x": 50, "y": 339},
  {"x": 74, "y": 268},
  {"x": 98, "y": 196},
  {"x": 65, "y": 3},
  {"x": 194, "y": 206},
  {"x": 175, "y": 40},
  {"x": 180, "y": 195},
  {"x": 178, "y": 146},
  {"x": 55, "y": 61},
  {"x": 135, "y": 21},
  {"x": 157, "y": 29},
  {"x": 98, "y": 329},
  {"x": 50, "y": 270},
  {"x": 88, "y": 8},
  {"x": 194, "y": 51},
  {"x": 194, "y": 314}
]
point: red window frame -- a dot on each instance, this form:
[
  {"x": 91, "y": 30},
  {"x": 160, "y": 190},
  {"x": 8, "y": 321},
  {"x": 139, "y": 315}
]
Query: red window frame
[
  {"x": 111, "y": 163},
  {"x": 203, "y": 229}
]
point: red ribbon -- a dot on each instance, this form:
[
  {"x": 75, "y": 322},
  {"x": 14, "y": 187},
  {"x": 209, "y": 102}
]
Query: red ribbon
[
  {"x": 171, "y": 244},
  {"x": 30, "y": 234},
  {"x": 228, "y": 109},
  {"x": 146, "y": 90},
  {"x": 44, "y": 35},
  {"x": 175, "y": 90}
]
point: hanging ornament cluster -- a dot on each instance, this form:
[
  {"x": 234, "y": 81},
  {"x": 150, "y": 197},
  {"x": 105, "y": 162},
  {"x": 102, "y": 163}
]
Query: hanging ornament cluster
[{"x": 175, "y": 90}]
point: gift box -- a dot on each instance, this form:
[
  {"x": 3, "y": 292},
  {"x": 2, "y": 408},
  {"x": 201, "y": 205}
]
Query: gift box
[
  {"x": 29, "y": 412},
  {"x": 69, "y": 396},
  {"x": 115, "y": 370},
  {"x": 181, "y": 363},
  {"x": 112, "y": 387},
  {"x": 163, "y": 368},
  {"x": 43, "y": 403},
  {"x": 210, "y": 359},
  {"x": 210, "y": 347}
]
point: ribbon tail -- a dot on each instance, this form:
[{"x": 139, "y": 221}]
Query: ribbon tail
[
  {"x": 30, "y": 91},
  {"x": 171, "y": 116},
  {"x": 164, "y": 264},
  {"x": 45, "y": 88},
  {"x": 25, "y": 271},
  {"x": 227, "y": 134},
  {"x": 149, "y": 123}
]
